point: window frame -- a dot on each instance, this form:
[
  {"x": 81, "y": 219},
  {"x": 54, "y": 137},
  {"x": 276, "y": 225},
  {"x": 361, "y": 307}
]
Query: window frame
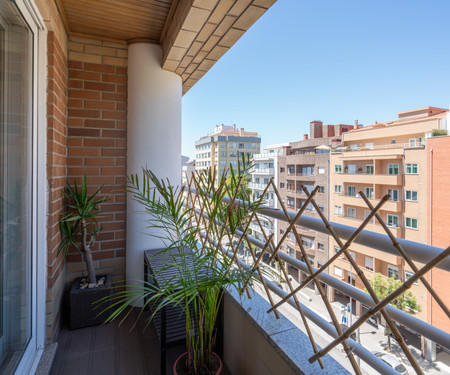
[
  {"x": 394, "y": 166},
  {"x": 409, "y": 168},
  {"x": 411, "y": 220},
  {"x": 411, "y": 197},
  {"x": 392, "y": 216}
]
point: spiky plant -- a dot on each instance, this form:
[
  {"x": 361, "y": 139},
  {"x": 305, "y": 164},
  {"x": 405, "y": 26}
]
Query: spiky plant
[{"x": 78, "y": 225}]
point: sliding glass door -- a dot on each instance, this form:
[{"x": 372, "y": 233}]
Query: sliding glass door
[{"x": 16, "y": 185}]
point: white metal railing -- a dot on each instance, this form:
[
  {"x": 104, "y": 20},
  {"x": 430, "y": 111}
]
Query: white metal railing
[
  {"x": 418, "y": 143},
  {"x": 267, "y": 155},
  {"x": 257, "y": 185},
  {"x": 262, "y": 171}
]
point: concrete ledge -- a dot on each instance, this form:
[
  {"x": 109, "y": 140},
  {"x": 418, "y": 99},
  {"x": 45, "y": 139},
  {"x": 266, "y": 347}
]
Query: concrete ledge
[
  {"x": 46, "y": 361},
  {"x": 255, "y": 342}
]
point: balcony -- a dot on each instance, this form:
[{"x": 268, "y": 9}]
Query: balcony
[
  {"x": 373, "y": 227},
  {"x": 266, "y": 155},
  {"x": 268, "y": 171},
  {"x": 355, "y": 200},
  {"x": 364, "y": 178},
  {"x": 259, "y": 186}
]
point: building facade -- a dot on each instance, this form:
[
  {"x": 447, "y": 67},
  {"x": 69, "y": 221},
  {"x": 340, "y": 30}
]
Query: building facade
[
  {"x": 307, "y": 163},
  {"x": 266, "y": 168},
  {"x": 223, "y": 147},
  {"x": 186, "y": 171},
  {"x": 390, "y": 158}
]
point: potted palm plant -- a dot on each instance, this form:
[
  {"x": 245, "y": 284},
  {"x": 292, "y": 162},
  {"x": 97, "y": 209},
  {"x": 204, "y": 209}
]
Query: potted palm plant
[
  {"x": 197, "y": 232},
  {"x": 79, "y": 227}
]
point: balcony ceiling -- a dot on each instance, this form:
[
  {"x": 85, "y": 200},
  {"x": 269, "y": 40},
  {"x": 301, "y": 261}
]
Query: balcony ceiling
[
  {"x": 194, "y": 34},
  {"x": 118, "y": 19}
]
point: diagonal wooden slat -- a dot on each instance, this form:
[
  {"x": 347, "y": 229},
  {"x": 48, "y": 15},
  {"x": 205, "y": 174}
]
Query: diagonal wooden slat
[
  {"x": 372, "y": 311},
  {"x": 369, "y": 287},
  {"x": 319, "y": 286},
  {"x": 408, "y": 260},
  {"x": 337, "y": 254}
]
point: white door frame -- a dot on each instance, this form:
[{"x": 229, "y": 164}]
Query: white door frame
[{"x": 32, "y": 354}]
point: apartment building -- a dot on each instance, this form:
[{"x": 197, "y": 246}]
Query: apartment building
[
  {"x": 221, "y": 148},
  {"x": 393, "y": 158},
  {"x": 186, "y": 171},
  {"x": 265, "y": 168},
  {"x": 306, "y": 163}
]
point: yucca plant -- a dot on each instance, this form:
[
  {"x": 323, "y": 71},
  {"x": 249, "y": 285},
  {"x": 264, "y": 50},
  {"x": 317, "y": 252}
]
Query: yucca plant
[
  {"x": 78, "y": 225},
  {"x": 193, "y": 235}
]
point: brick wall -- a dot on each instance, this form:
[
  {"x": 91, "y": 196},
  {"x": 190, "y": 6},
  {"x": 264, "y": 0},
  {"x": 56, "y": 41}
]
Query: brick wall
[
  {"x": 56, "y": 170},
  {"x": 97, "y": 131},
  {"x": 441, "y": 218}
]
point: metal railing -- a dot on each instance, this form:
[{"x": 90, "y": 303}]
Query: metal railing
[{"x": 345, "y": 235}]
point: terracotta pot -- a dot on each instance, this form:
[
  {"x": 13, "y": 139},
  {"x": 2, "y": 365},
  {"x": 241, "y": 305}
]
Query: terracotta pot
[{"x": 181, "y": 357}]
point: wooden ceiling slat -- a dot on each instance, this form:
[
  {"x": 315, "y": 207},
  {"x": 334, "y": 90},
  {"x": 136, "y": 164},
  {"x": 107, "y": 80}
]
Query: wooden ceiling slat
[
  {"x": 125, "y": 8},
  {"x": 80, "y": 15},
  {"x": 121, "y": 19}
]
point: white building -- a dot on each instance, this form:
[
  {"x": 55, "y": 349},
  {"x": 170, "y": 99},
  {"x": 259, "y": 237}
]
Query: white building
[
  {"x": 266, "y": 167},
  {"x": 186, "y": 171}
]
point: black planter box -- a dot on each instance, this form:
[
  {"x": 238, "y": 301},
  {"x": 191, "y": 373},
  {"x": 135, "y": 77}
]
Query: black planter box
[{"x": 83, "y": 309}]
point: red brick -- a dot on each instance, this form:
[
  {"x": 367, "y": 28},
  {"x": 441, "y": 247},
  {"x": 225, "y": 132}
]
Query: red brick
[
  {"x": 82, "y": 75},
  {"x": 114, "y": 133},
  {"x": 83, "y": 132},
  {"x": 99, "y": 104},
  {"x": 112, "y": 78},
  {"x": 75, "y": 103},
  {"x": 121, "y": 106},
  {"x": 75, "y": 122},
  {"x": 99, "y": 161},
  {"x": 121, "y": 88},
  {"x": 81, "y": 171},
  {"x": 84, "y": 113},
  {"x": 75, "y": 84},
  {"x": 115, "y": 115},
  {"x": 100, "y": 123},
  {"x": 99, "y": 68},
  {"x": 121, "y": 70},
  {"x": 113, "y": 171},
  {"x": 114, "y": 96},
  {"x": 114, "y": 152},
  {"x": 84, "y": 151},
  {"x": 99, "y": 142},
  {"x": 103, "y": 254},
  {"x": 84, "y": 94},
  {"x": 98, "y": 86},
  {"x": 75, "y": 64}
]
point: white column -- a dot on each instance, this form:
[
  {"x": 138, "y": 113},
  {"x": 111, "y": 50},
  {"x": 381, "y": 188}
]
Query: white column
[{"x": 153, "y": 139}]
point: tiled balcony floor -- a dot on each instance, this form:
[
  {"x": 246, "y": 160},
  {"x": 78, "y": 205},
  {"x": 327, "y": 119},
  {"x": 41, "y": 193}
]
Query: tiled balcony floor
[{"x": 111, "y": 349}]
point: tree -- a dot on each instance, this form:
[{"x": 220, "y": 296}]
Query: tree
[{"x": 383, "y": 286}]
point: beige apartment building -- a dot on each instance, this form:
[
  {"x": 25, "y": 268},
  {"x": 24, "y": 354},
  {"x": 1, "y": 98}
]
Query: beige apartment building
[
  {"x": 306, "y": 163},
  {"x": 385, "y": 158},
  {"x": 222, "y": 147}
]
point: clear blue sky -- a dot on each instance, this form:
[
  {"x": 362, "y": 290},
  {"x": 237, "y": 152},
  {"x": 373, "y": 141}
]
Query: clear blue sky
[{"x": 330, "y": 60}]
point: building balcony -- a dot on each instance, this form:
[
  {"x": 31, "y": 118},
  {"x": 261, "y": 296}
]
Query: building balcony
[
  {"x": 373, "y": 227},
  {"x": 266, "y": 155},
  {"x": 264, "y": 171},
  {"x": 363, "y": 178},
  {"x": 355, "y": 200},
  {"x": 259, "y": 186}
]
